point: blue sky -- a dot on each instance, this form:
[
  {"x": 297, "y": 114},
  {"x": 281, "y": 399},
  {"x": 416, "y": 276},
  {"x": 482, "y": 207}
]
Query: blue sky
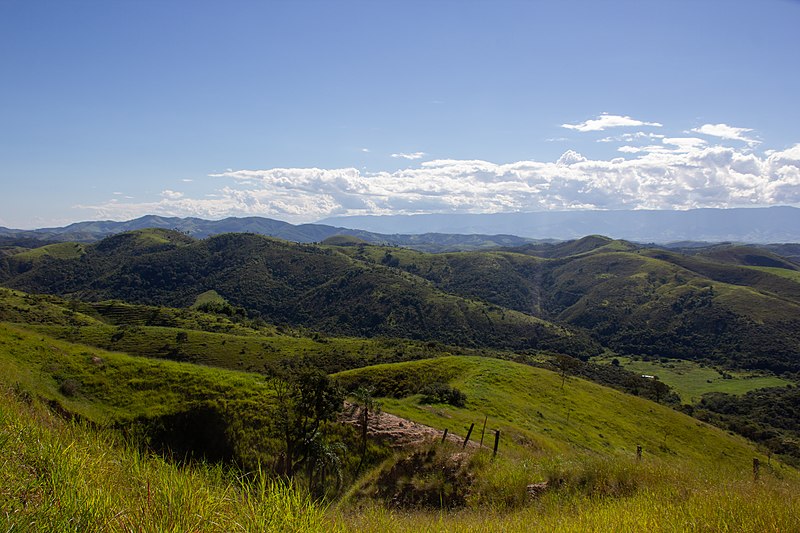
[{"x": 302, "y": 110}]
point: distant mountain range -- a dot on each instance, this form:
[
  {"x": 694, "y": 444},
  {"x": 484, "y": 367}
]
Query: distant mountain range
[
  {"x": 93, "y": 231},
  {"x": 747, "y": 225},
  {"x": 441, "y": 232}
]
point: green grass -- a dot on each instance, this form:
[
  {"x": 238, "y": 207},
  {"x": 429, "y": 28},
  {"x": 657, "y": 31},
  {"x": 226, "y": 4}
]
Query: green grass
[
  {"x": 537, "y": 417},
  {"x": 61, "y": 250},
  {"x": 691, "y": 380},
  {"x": 108, "y": 386},
  {"x": 16, "y": 306},
  {"x": 57, "y": 476},
  {"x": 793, "y": 275},
  {"x": 685, "y": 500},
  {"x": 209, "y": 297}
]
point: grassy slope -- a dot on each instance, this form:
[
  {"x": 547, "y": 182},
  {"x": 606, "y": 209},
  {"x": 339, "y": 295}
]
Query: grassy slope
[
  {"x": 62, "y": 250},
  {"x": 535, "y": 415},
  {"x": 691, "y": 380},
  {"x": 111, "y": 386},
  {"x": 208, "y": 339},
  {"x": 62, "y": 477},
  {"x": 298, "y": 284},
  {"x": 84, "y": 487},
  {"x": 57, "y": 476}
]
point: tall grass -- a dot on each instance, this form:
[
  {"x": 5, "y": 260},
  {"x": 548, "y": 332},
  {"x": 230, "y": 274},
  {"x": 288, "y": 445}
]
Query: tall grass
[
  {"x": 679, "y": 502},
  {"x": 56, "y": 476}
]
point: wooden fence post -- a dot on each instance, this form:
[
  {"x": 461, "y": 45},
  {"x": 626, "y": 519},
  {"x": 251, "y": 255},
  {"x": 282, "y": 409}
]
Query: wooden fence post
[
  {"x": 485, "y": 418},
  {"x": 468, "y": 434},
  {"x": 444, "y": 436},
  {"x": 496, "y": 442},
  {"x": 638, "y": 452}
]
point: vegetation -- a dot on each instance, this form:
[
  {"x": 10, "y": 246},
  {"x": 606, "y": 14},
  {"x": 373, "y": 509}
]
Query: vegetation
[
  {"x": 281, "y": 282},
  {"x": 59, "y": 476},
  {"x": 691, "y": 380},
  {"x": 224, "y": 412}
]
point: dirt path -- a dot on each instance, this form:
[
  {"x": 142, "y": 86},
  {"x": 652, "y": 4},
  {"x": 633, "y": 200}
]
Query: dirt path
[{"x": 397, "y": 431}]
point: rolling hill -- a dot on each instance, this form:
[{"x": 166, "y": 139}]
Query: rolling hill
[
  {"x": 734, "y": 305},
  {"x": 286, "y": 283}
]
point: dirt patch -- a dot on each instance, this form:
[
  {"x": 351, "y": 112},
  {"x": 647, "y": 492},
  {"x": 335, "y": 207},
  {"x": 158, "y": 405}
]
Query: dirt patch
[{"x": 398, "y": 432}]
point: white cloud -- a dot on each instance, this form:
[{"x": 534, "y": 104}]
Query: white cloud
[
  {"x": 187, "y": 180},
  {"x": 365, "y": 150},
  {"x": 570, "y": 157},
  {"x": 606, "y": 121},
  {"x": 678, "y": 173},
  {"x": 414, "y": 155},
  {"x": 631, "y": 137},
  {"x": 171, "y": 195},
  {"x": 723, "y": 131}
]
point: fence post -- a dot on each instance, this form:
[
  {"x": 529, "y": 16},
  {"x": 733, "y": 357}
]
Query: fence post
[
  {"x": 468, "y": 434},
  {"x": 496, "y": 442},
  {"x": 444, "y": 436},
  {"x": 485, "y": 418},
  {"x": 638, "y": 452}
]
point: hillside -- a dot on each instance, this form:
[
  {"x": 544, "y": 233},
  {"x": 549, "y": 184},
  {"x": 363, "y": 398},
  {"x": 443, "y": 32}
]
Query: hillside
[
  {"x": 537, "y": 415},
  {"x": 714, "y": 304},
  {"x": 286, "y": 283},
  {"x": 577, "y": 440},
  {"x": 732, "y": 305}
]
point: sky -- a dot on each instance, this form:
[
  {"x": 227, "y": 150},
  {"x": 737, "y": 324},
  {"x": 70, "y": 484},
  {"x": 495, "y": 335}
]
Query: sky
[{"x": 304, "y": 110}]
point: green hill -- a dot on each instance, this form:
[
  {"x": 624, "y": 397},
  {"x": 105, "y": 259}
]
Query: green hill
[
  {"x": 577, "y": 436},
  {"x": 722, "y": 304},
  {"x": 286, "y": 283},
  {"x": 537, "y": 415}
]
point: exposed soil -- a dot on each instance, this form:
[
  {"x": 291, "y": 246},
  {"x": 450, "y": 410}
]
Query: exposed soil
[{"x": 400, "y": 432}]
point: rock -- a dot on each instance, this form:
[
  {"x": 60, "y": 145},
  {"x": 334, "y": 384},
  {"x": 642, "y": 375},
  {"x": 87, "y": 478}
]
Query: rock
[{"x": 536, "y": 489}]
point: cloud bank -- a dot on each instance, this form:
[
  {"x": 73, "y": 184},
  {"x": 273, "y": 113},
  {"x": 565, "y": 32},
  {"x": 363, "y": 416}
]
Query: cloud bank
[{"x": 675, "y": 173}]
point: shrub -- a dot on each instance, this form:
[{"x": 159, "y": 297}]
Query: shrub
[
  {"x": 69, "y": 387},
  {"x": 443, "y": 393}
]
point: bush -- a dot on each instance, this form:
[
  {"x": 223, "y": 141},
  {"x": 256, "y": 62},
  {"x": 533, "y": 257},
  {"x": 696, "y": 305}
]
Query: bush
[
  {"x": 69, "y": 387},
  {"x": 443, "y": 393}
]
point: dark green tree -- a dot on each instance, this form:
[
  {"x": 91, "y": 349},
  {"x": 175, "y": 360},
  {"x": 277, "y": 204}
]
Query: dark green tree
[
  {"x": 306, "y": 398},
  {"x": 365, "y": 404}
]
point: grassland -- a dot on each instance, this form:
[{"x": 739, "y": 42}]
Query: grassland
[
  {"x": 61, "y": 250},
  {"x": 58, "y": 476},
  {"x": 107, "y": 387},
  {"x": 579, "y": 437},
  {"x": 539, "y": 417},
  {"x": 691, "y": 380}
]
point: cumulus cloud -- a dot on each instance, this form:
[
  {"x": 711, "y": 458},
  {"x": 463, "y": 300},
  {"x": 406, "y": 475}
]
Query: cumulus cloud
[
  {"x": 677, "y": 173},
  {"x": 172, "y": 195},
  {"x": 723, "y": 131},
  {"x": 606, "y": 121},
  {"x": 414, "y": 155},
  {"x": 570, "y": 157}
]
